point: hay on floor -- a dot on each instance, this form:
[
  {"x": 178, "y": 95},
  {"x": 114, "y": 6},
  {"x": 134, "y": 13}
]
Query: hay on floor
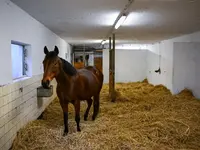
[{"x": 143, "y": 117}]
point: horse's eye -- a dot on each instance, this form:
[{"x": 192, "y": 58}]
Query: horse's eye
[{"x": 55, "y": 64}]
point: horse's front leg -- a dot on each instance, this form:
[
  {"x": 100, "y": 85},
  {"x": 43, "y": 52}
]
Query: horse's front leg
[
  {"x": 77, "y": 114},
  {"x": 65, "y": 115}
]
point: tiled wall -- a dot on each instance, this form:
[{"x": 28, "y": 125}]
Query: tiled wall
[{"x": 18, "y": 107}]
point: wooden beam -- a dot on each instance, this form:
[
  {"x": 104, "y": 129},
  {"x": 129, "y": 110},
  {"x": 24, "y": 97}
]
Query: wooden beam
[
  {"x": 113, "y": 94},
  {"x": 110, "y": 66}
]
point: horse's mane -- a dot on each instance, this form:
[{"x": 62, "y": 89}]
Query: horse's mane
[{"x": 67, "y": 67}]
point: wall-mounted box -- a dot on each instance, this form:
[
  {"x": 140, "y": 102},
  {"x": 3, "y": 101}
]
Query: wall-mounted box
[{"x": 42, "y": 92}]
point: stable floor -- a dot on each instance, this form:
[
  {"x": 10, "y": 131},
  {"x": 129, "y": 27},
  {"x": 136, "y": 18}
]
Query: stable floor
[{"x": 144, "y": 117}]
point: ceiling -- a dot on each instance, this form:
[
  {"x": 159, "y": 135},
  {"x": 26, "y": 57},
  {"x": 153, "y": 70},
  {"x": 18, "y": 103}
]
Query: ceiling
[{"x": 90, "y": 21}]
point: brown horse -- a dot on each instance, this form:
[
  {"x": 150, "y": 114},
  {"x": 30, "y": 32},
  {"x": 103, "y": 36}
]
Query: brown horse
[{"x": 73, "y": 85}]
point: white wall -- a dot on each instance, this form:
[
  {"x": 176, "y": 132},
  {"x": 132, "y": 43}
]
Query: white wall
[
  {"x": 166, "y": 50},
  {"x": 17, "y": 25},
  {"x": 186, "y": 67},
  {"x": 17, "y": 107},
  {"x": 130, "y": 65}
]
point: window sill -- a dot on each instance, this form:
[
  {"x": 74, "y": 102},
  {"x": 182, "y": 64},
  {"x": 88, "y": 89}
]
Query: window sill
[{"x": 20, "y": 79}]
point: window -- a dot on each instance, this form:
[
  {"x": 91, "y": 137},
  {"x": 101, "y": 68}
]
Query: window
[{"x": 19, "y": 65}]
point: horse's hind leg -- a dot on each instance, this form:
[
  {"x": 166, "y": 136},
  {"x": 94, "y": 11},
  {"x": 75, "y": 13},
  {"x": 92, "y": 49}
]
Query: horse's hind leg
[
  {"x": 77, "y": 114},
  {"x": 96, "y": 107},
  {"x": 89, "y": 102}
]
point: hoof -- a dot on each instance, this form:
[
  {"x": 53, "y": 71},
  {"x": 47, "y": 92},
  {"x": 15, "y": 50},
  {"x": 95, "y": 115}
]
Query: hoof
[
  {"x": 79, "y": 130},
  {"x": 93, "y": 118},
  {"x": 85, "y": 118},
  {"x": 65, "y": 134}
]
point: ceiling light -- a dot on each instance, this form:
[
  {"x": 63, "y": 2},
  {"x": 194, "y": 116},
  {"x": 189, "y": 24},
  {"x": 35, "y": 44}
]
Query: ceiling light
[
  {"x": 120, "y": 21},
  {"x": 103, "y": 42}
]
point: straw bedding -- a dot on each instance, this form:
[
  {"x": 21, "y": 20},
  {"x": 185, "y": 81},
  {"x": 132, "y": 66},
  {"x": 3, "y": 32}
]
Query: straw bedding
[{"x": 144, "y": 117}]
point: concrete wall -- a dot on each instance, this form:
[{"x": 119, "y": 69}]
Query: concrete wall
[
  {"x": 130, "y": 65},
  {"x": 160, "y": 54},
  {"x": 165, "y": 50},
  {"x": 18, "y": 107},
  {"x": 186, "y": 67},
  {"x": 167, "y": 54},
  {"x": 21, "y": 27}
]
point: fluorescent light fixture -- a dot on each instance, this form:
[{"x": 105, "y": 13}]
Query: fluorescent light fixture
[
  {"x": 103, "y": 42},
  {"x": 120, "y": 21}
]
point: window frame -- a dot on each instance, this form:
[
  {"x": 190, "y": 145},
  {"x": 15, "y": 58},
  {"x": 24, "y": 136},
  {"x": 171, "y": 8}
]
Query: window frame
[{"x": 24, "y": 63}]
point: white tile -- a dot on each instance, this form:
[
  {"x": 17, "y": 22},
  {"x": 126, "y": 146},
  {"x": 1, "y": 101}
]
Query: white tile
[
  {"x": 13, "y": 131},
  {"x": 17, "y": 86},
  {"x": 18, "y": 126},
  {"x": 18, "y": 110},
  {"x": 17, "y": 94},
  {"x": 20, "y": 84},
  {"x": 2, "y": 142},
  {"x": 11, "y": 87},
  {"x": 14, "y": 104},
  {"x": 5, "y": 99},
  {"x": 2, "y": 121},
  {"x": 14, "y": 113},
  {"x": 19, "y": 101},
  {"x": 1, "y": 92},
  {"x": 2, "y": 131},
  {"x": 6, "y": 89},
  {"x": 13, "y": 95},
  {"x": 10, "y": 107},
  {"x": 22, "y": 108},
  {"x": 1, "y": 102},
  {"x": 9, "y": 98},
  {"x": 8, "y": 126},
  {"x": 6, "y": 137},
  {"x": 1, "y": 112},
  {"x": 26, "y": 90},
  {"x": 13, "y": 136},
  {"x": 8, "y": 144},
  {"x": 25, "y": 83},
  {"x": 5, "y": 109},
  {"x": 14, "y": 121}
]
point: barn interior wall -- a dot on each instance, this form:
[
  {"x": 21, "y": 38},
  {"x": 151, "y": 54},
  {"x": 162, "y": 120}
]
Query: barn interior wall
[
  {"x": 186, "y": 67},
  {"x": 166, "y": 50},
  {"x": 130, "y": 65},
  {"x": 21, "y": 27},
  {"x": 165, "y": 55},
  {"x": 160, "y": 55},
  {"x": 18, "y": 99}
]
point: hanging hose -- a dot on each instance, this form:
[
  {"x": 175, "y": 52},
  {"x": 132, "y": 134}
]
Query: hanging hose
[{"x": 159, "y": 70}]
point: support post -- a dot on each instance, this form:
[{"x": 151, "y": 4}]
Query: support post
[
  {"x": 110, "y": 67},
  {"x": 73, "y": 58},
  {"x": 84, "y": 56},
  {"x": 113, "y": 94}
]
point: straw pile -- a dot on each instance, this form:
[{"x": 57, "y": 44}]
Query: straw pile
[{"x": 144, "y": 117}]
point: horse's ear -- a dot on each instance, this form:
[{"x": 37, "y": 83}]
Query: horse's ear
[
  {"x": 46, "y": 51},
  {"x": 56, "y": 50}
]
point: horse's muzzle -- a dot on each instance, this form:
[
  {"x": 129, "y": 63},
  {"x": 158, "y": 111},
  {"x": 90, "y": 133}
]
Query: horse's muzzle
[{"x": 45, "y": 84}]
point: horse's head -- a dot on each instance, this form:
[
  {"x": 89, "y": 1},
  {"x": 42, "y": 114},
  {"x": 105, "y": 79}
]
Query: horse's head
[{"x": 51, "y": 65}]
